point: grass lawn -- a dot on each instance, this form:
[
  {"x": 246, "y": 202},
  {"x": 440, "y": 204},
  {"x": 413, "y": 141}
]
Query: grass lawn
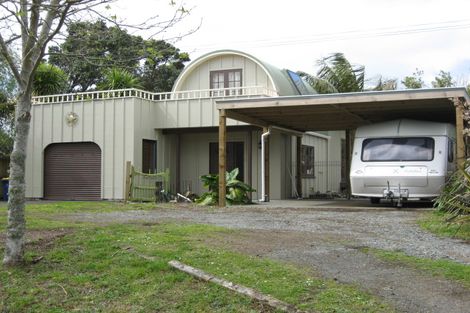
[
  {"x": 436, "y": 222},
  {"x": 91, "y": 268}
]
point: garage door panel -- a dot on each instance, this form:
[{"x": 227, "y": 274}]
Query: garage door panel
[{"x": 72, "y": 171}]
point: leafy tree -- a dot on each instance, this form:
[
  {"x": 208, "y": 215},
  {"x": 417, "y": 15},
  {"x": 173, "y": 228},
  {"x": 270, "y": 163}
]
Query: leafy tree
[
  {"x": 156, "y": 62},
  {"x": 443, "y": 79},
  {"x": 341, "y": 74},
  {"x": 162, "y": 66},
  {"x": 415, "y": 81},
  {"x": 28, "y": 27},
  {"x": 49, "y": 80},
  {"x": 116, "y": 78},
  {"x": 90, "y": 48},
  {"x": 336, "y": 74}
]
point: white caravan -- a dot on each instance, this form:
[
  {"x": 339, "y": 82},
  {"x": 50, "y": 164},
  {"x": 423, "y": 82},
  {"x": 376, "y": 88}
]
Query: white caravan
[{"x": 402, "y": 160}]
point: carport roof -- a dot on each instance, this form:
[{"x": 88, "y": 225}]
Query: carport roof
[{"x": 346, "y": 110}]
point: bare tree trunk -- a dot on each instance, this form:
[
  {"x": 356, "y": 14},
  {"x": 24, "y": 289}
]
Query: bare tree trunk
[{"x": 14, "y": 248}]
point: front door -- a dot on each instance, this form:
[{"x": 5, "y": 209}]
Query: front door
[{"x": 235, "y": 158}]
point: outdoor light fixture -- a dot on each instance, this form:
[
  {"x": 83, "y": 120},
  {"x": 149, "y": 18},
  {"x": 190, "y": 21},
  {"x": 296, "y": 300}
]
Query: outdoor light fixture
[{"x": 71, "y": 119}]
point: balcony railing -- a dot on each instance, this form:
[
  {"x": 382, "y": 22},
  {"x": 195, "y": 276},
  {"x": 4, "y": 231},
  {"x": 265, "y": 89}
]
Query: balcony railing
[{"x": 161, "y": 96}]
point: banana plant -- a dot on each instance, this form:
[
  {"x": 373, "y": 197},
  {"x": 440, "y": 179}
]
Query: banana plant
[{"x": 236, "y": 193}]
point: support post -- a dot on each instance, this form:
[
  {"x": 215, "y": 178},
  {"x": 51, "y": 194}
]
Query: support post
[
  {"x": 178, "y": 164},
  {"x": 127, "y": 189},
  {"x": 348, "y": 162},
  {"x": 298, "y": 167},
  {"x": 459, "y": 127},
  {"x": 222, "y": 156},
  {"x": 266, "y": 166},
  {"x": 250, "y": 159}
]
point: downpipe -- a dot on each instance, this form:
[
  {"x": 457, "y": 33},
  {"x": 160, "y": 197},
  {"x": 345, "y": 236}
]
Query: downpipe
[{"x": 263, "y": 165}]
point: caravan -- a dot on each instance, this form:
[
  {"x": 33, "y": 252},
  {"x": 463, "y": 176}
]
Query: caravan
[{"x": 402, "y": 160}]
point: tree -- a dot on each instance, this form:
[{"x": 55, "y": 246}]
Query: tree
[
  {"x": 336, "y": 74},
  {"x": 443, "y": 79},
  {"x": 162, "y": 66},
  {"x": 92, "y": 47},
  {"x": 48, "y": 80},
  {"x": 414, "y": 81},
  {"x": 30, "y": 26},
  {"x": 116, "y": 78},
  {"x": 157, "y": 63},
  {"x": 341, "y": 74}
]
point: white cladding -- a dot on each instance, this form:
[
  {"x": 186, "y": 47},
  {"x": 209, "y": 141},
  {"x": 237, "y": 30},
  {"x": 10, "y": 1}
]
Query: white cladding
[{"x": 406, "y": 127}]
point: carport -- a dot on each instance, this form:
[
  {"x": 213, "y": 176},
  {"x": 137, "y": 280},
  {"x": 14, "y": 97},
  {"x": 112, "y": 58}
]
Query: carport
[{"x": 345, "y": 111}]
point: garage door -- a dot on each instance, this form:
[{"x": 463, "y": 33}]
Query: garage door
[{"x": 72, "y": 171}]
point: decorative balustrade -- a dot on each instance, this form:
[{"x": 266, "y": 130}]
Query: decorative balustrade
[{"x": 161, "y": 96}]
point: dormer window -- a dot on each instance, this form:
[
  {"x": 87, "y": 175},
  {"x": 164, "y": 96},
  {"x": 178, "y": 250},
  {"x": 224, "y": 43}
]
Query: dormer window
[{"x": 226, "y": 79}]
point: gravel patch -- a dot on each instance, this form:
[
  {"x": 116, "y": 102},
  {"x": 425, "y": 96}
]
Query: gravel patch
[{"x": 388, "y": 229}]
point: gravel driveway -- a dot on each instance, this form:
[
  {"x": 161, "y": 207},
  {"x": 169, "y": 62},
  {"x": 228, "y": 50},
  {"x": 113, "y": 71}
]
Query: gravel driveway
[{"x": 330, "y": 239}]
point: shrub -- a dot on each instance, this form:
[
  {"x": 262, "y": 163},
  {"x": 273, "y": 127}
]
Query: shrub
[
  {"x": 236, "y": 193},
  {"x": 455, "y": 197}
]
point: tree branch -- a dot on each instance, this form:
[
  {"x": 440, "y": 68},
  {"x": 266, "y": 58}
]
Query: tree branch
[{"x": 11, "y": 63}]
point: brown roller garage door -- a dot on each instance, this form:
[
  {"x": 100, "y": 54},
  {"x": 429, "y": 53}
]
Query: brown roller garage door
[{"x": 72, "y": 171}]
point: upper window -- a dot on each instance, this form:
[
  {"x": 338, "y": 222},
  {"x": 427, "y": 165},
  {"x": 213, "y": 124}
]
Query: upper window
[
  {"x": 226, "y": 79},
  {"x": 398, "y": 149}
]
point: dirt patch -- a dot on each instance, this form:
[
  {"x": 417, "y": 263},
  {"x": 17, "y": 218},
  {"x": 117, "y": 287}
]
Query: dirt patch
[
  {"x": 406, "y": 289},
  {"x": 40, "y": 239}
]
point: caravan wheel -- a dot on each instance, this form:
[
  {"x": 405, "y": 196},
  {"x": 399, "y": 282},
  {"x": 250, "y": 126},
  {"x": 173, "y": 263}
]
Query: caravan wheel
[{"x": 374, "y": 200}]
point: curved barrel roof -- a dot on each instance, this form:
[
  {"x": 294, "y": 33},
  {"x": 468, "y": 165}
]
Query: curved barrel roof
[{"x": 280, "y": 79}]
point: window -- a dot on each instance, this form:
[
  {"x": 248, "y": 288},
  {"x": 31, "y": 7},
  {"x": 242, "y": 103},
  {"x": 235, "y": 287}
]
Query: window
[
  {"x": 149, "y": 156},
  {"x": 398, "y": 149},
  {"x": 226, "y": 79},
  {"x": 235, "y": 158},
  {"x": 299, "y": 83},
  {"x": 307, "y": 161}
]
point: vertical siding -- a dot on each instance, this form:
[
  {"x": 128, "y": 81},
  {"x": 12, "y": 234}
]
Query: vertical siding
[
  {"x": 252, "y": 73},
  {"x": 194, "y": 156},
  {"x": 320, "y": 181},
  {"x": 144, "y": 127},
  {"x": 107, "y": 123}
]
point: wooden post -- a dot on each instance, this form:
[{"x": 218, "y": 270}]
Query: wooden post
[
  {"x": 266, "y": 166},
  {"x": 222, "y": 156},
  {"x": 178, "y": 187},
  {"x": 459, "y": 127},
  {"x": 298, "y": 167},
  {"x": 127, "y": 189}
]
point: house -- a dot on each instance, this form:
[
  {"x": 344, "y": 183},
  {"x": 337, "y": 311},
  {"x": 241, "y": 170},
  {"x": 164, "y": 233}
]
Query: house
[{"x": 79, "y": 143}]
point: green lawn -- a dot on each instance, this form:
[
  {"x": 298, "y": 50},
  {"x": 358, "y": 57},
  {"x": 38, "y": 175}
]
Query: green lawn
[
  {"x": 91, "y": 269},
  {"x": 437, "y": 223}
]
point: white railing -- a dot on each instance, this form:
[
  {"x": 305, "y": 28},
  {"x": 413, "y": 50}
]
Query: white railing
[{"x": 161, "y": 96}]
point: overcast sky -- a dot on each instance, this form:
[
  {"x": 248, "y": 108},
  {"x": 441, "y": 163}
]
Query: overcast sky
[{"x": 388, "y": 37}]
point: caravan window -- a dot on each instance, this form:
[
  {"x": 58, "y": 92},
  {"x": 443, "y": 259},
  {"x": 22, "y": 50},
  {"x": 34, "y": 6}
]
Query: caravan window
[{"x": 397, "y": 149}]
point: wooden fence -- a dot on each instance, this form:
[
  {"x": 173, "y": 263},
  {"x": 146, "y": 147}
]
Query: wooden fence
[{"x": 142, "y": 187}]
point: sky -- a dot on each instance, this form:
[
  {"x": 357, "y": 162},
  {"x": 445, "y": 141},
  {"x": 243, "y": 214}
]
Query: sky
[{"x": 391, "y": 38}]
